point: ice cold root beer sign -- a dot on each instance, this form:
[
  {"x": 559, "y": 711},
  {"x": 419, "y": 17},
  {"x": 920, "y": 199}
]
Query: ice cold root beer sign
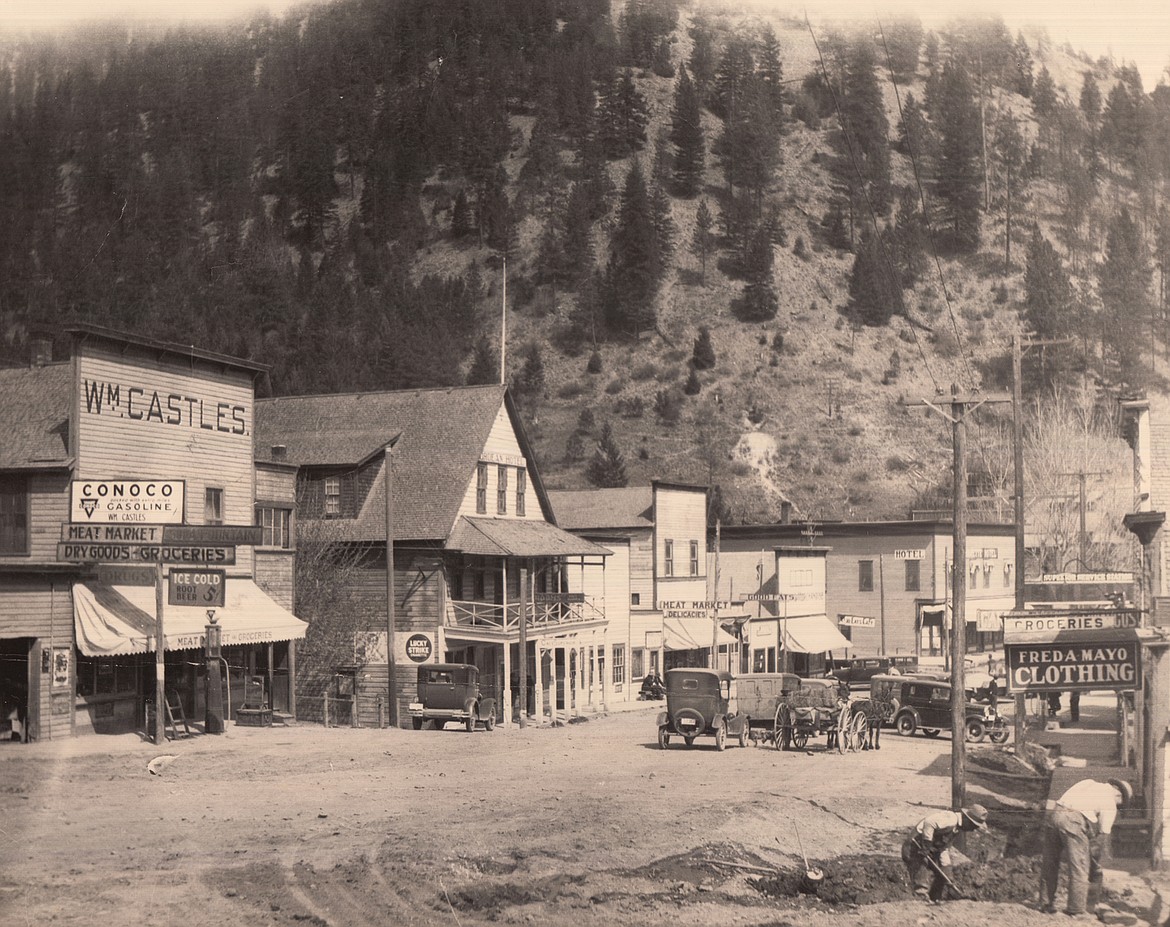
[{"x": 1097, "y": 665}]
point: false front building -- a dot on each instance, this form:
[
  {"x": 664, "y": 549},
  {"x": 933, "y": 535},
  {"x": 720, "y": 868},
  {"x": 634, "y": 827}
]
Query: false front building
[
  {"x": 130, "y": 454},
  {"x": 443, "y": 480}
]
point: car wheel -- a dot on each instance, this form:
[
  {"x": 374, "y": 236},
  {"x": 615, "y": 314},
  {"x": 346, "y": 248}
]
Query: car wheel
[
  {"x": 932, "y": 731},
  {"x": 663, "y": 738},
  {"x": 489, "y": 723},
  {"x": 721, "y": 737},
  {"x": 904, "y": 724},
  {"x": 470, "y": 724},
  {"x": 999, "y": 736},
  {"x": 689, "y": 741},
  {"x": 975, "y": 731},
  {"x": 416, "y": 723},
  {"x": 743, "y": 734}
]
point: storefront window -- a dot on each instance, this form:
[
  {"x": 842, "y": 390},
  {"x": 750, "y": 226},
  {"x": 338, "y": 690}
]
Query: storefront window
[
  {"x": 619, "y": 664},
  {"x": 106, "y": 675},
  {"x": 276, "y": 524},
  {"x": 638, "y": 663},
  {"x": 13, "y": 515}
]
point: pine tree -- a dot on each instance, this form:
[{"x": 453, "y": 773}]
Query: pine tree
[
  {"x": 759, "y": 301},
  {"x": 607, "y": 469},
  {"x": 904, "y": 40},
  {"x": 623, "y": 115},
  {"x": 703, "y": 356},
  {"x": 770, "y": 70},
  {"x": 704, "y": 239},
  {"x": 692, "y": 387},
  {"x": 484, "y": 364},
  {"x": 1044, "y": 94},
  {"x": 865, "y": 142},
  {"x": 703, "y": 60},
  {"x": 664, "y": 228},
  {"x": 460, "y": 216},
  {"x": 1123, "y": 281},
  {"x": 1022, "y": 60},
  {"x": 736, "y": 68},
  {"x": 959, "y": 180},
  {"x": 530, "y": 382},
  {"x": 577, "y": 244},
  {"x": 686, "y": 134},
  {"x": 1090, "y": 101},
  {"x": 916, "y": 137},
  {"x": 1010, "y": 155},
  {"x": 875, "y": 292},
  {"x": 634, "y": 268},
  {"x": 1047, "y": 291}
]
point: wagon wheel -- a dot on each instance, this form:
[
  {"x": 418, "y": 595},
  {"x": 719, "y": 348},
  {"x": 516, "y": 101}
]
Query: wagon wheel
[
  {"x": 800, "y": 739},
  {"x": 858, "y": 727},
  {"x": 782, "y": 728},
  {"x": 844, "y": 731}
]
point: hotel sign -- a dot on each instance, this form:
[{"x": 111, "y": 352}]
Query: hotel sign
[
  {"x": 909, "y": 554},
  {"x": 156, "y": 502}
]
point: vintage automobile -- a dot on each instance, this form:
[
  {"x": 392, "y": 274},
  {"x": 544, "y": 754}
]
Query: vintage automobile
[
  {"x": 701, "y": 702},
  {"x": 857, "y": 671},
  {"x": 925, "y": 705},
  {"x": 450, "y": 692}
]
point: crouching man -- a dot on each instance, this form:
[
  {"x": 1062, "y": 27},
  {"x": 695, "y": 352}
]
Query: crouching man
[{"x": 927, "y": 850}]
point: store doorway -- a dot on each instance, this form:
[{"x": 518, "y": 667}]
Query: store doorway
[{"x": 14, "y": 677}]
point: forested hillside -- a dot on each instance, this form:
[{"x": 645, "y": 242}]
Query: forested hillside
[{"x": 737, "y": 245}]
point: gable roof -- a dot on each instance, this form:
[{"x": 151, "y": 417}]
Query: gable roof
[
  {"x": 441, "y": 434},
  {"x": 597, "y": 509},
  {"x": 34, "y": 416}
]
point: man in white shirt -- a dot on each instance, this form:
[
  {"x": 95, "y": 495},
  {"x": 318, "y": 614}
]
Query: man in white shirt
[
  {"x": 1080, "y": 826},
  {"x": 929, "y": 843}
]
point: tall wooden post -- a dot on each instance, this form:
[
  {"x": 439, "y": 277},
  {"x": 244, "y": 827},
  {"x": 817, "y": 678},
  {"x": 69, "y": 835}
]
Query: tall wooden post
[
  {"x": 1018, "y": 468},
  {"x": 959, "y": 609},
  {"x": 160, "y": 666},
  {"x": 522, "y": 658},
  {"x": 391, "y": 592}
]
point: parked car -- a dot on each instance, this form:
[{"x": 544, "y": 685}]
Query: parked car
[
  {"x": 856, "y": 671},
  {"x": 925, "y": 705},
  {"x": 450, "y": 692},
  {"x": 701, "y": 702}
]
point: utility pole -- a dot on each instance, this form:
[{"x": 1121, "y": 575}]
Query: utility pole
[
  {"x": 504, "y": 326},
  {"x": 1083, "y": 537},
  {"x": 714, "y": 607},
  {"x": 960, "y": 407}
]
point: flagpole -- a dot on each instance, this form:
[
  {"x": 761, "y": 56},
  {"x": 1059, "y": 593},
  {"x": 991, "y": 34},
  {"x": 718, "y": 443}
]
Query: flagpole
[{"x": 504, "y": 324}]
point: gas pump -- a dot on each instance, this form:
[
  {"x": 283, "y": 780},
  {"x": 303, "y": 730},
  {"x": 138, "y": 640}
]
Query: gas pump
[{"x": 213, "y": 720}]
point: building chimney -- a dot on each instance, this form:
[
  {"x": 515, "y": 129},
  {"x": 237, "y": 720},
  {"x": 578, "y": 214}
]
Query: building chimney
[
  {"x": 280, "y": 452},
  {"x": 785, "y": 513}
]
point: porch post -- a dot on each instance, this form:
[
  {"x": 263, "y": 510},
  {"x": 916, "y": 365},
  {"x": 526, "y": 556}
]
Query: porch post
[
  {"x": 522, "y": 656},
  {"x": 507, "y": 688},
  {"x": 604, "y": 668},
  {"x": 592, "y": 668},
  {"x": 537, "y": 683},
  {"x": 552, "y": 684}
]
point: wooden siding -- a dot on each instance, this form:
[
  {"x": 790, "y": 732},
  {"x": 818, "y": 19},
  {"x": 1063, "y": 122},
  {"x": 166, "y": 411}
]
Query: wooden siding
[
  {"x": 680, "y": 516},
  {"x": 276, "y": 485},
  {"x": 141, "y": 416},
  {"x": 41, "y": 609},
  {"x": 739, "y": 578},
  {"x": 502, "y": 445},
  {"x": 48, "y": 509},
  {"x": 642, "y": 571},
  {"x": 274, "y": 574}
]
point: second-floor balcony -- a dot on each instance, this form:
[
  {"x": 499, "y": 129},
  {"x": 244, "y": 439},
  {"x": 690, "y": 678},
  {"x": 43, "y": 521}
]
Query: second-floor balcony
[{"x": 549, "y": 613}]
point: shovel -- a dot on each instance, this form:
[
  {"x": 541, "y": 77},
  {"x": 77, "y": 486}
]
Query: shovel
[
  {"x": 938, "y": 870},
  {"x": 812, "y": 875}
]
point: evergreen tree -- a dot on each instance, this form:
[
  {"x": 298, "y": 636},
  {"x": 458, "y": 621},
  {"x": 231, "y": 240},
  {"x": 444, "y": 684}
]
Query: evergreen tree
[
  {"x": 1121, "y": 127},
  {"x": 916, "y": 136},
  {"x": 1123, "y": 281},
  {"x": 703, "y": 60},
  {"x": 1022, "y": 59},
  {"x": 904, "y": 40},
  {"x": 759, "y": 301},
  {"x": 1010, "y": 156},
  {"x": 484, "y": 364},
  {"x": 959, "y": 180},
  {"x": 704, "y": 238},
  {"x": 703, "y": 356},
  {"x": 686, "y": 134},
  {"x": 910, "y": 238},
  {"x": 596, "y": 185},
  {"x": 692, "y": 387},
  {"x": 1044, "y": 94},
  {"x": 749, "y": 146},
  {"x": 865, "y": 129},
  {"x": 634, "y": 268},
  {"x": 736, "y": 68},
  {"x": 530, "y": 381},
  {"x": 577, "y": 244},
  {"x": 770, "y": 70},
  {"x": 607, "y": 469},
  {"x": 461, "y": 216},
  {"x": 664, "y": 228},
  {"x": 1090, "y": 102},
  {"x": 622, "y": 118},
  {"x": 875, "y": 292},
  {"x": 1047, "y": 291}
]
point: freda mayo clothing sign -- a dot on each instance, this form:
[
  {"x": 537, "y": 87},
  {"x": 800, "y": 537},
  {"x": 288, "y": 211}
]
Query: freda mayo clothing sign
[{"x": 157, "y": 502}]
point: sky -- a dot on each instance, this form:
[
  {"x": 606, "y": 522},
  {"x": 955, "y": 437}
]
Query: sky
[{"x": 1136, "y": 31}]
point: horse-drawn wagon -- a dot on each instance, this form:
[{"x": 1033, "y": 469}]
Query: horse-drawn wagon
[{"x": 790, "y": 710}]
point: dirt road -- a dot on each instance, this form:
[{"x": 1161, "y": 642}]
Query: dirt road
[{"x": 587, "y": 824}]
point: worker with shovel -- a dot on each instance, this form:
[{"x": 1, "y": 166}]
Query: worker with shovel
[
  {"x": 1080, "y": 826},
  {"x": 927, "y": 854}
]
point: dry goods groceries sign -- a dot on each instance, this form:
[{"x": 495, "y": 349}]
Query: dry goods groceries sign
[{"x": 1092, "y": 665}]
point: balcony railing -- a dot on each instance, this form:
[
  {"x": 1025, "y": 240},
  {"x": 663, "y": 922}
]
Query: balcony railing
[{"x": 490, "y": 616}]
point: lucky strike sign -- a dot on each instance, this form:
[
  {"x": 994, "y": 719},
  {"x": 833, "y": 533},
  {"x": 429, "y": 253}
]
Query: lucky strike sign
[{"x": 1097, "y": 665}]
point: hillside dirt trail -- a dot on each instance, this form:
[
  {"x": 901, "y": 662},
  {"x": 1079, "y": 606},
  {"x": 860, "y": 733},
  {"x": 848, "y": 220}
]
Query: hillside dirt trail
[{"x": 589, "y": 823}]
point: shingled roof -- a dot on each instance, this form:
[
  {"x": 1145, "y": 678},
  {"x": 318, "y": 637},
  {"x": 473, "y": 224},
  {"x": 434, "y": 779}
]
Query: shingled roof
[
  {"x": 442, "y": 433},
  {"x": 34, "y": 416},
  {"x": 599, "y": 509}
]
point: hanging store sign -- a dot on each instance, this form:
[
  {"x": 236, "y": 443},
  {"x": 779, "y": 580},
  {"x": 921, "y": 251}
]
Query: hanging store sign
[
  {"x": 419, "y": 648},
  {"x": 238, "y": 535},
  {"x": 118, "y": 533},
  {"x": 202, "y": 588},
  {"x": 158, "y": 502},
  {"x": 1093, "y": 664},
  {"x": 87, "y": 552},
  {"x": 695, "y": 609},
  {"x": 1048, "y": 622}
]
